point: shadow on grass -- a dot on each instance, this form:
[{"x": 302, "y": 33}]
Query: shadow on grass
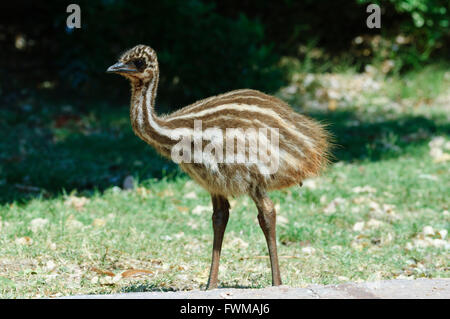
[
  {"x": 38, "y": 159},
  {"x": 357, "y": 140},
  {"x": 155, "y": 288},
  {"x": 146, "y": 288},
  {"x": 239, "y": 287}
]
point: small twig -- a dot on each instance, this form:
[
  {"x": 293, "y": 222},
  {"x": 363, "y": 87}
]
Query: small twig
[{"x": 103, "y": 272}]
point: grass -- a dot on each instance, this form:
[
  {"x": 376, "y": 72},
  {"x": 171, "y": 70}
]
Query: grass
[{"x": 66, "y": 227}]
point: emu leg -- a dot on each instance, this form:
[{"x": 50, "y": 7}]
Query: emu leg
[
  {"x": 267, "y": 221},
  {"x": 219, "y": 220}
]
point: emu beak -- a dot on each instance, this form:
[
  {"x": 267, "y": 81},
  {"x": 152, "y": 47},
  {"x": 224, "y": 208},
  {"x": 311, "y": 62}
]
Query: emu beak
[{"x": 120, "y": 67}]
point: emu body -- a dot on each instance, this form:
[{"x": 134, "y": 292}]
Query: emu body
[{"x": 302, "y": 145}]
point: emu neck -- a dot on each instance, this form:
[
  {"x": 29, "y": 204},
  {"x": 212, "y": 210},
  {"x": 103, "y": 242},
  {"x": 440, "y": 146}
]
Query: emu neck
[{"x": 146, "y": 124}]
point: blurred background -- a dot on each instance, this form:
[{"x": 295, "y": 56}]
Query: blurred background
[
  {"x": 206, "y": 47},
  {"x": 61, "y": 109}
]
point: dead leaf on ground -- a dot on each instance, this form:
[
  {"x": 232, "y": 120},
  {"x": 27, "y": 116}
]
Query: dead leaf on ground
[
  {"x": 76, "y": 202},
  {"x": 24, "y": 240},
  {"x": 102, "y": 272},
  {"x": 136, "y": 273}
]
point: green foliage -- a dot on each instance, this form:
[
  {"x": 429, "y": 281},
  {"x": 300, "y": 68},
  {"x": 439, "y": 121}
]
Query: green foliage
[{"x": 425, "y": 22}]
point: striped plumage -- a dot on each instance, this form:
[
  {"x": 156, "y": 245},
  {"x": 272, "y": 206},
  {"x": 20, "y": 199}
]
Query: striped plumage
[{"x": 303, "y": 144}]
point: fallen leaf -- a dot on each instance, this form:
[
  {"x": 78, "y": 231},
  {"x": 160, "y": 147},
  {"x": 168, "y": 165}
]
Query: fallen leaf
[
  {"x": 428, "y": 231},
  {"x": 102, "y": 272},
  {"x": 136, "y": 273},
  {"x": 76, "y": 202},
  {"x": 24, "y": 240}
]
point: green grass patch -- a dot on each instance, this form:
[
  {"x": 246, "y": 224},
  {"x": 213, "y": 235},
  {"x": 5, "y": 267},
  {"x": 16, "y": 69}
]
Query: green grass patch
[{"x": 67, "y": 227}]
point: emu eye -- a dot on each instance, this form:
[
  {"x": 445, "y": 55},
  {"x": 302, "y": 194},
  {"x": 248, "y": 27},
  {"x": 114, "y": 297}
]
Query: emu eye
[{"x": 139, "y": 63}]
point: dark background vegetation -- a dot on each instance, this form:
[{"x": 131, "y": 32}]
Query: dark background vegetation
[
  {"x": 204, "y": 47},
  {"x": 63, "y": 123}
]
